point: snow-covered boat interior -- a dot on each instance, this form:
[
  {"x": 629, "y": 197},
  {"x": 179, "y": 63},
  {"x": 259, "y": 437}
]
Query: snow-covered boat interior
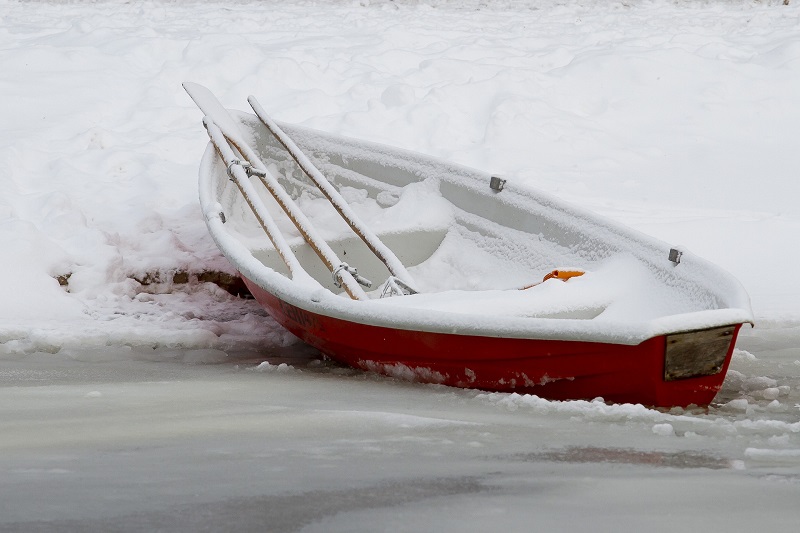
[{"x": 469, "y": 249}]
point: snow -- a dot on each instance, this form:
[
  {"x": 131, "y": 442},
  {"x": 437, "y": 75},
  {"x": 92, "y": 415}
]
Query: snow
[{"x": 134, "y": 406}]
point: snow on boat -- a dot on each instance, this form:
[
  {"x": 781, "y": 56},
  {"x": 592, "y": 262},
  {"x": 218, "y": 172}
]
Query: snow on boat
[{"x": 308, "y": 218}]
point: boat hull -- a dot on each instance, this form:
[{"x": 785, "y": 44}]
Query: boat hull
[{"x": 551, "y": 369}]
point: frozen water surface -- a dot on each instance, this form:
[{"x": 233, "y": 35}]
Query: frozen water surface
[
  {"x": 141, "y": 441},
  {"x": 133, "y": 403}
]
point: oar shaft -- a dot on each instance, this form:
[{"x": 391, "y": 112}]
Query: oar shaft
[
  {"x": 229, "y": 129},
  {"x": 306, "y": 229},
  {"x": 240, "y": 179},
  {"x": 349, "y": 284},
  {"x": 373, "y": 242}
]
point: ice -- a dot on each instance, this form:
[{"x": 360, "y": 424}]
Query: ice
[
  {"x": 772, "y": 455},
  {"x": 173, "y": 405},
  {"x": 266, "y": 366},
  {"x": 664, "y": 430}
]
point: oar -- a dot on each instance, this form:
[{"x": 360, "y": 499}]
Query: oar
[
  {"x": 240, "y": 178},
  {"x": 342, "y": 273},
  {"x": 373, "y": 242}
]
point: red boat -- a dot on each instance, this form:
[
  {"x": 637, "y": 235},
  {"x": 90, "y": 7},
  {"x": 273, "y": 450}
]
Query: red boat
[{"x": 480, "y": 282}]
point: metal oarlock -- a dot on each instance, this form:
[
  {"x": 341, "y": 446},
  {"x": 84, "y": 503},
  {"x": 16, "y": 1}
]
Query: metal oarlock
[
  {"x": 396, "y": 287},
  {"x": 249, "y": 169},
  {"x": 337, "y": 279}
]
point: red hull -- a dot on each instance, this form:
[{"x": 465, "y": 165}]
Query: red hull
[{"x": 556, "y": 370}]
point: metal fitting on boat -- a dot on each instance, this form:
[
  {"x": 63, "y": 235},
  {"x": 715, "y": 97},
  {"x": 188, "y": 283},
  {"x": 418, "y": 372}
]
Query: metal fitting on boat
[
  {"x": 396, "y": 287},
  {"x": 675, "y": 255},
  {"x": 249, "y": 169},
  {"x": 337, "y": 277},
  {"x": 497, "y": 184}
]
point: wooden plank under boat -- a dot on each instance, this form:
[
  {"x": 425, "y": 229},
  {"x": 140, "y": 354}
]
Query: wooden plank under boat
[{"x": 645, "y": 323}]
